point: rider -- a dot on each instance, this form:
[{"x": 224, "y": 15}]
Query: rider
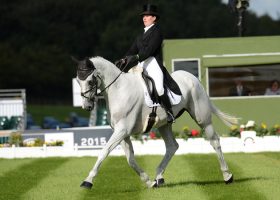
[{"x": 146, "y": 52}]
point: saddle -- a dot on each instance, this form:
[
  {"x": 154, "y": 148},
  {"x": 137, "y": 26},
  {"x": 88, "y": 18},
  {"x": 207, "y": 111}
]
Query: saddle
[{"x": 153, "y": 100}]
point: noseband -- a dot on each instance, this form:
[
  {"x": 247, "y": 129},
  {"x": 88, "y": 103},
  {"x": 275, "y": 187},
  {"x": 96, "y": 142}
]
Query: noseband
[{"x": 93, "y": 86}]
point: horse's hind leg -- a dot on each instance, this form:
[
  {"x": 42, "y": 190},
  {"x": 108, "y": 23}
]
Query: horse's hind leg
[
  {"x": 171, "y": 147},
  {"x": 128, "y": 149},
  {"x": 215, "y": 142},
  {"x": 200, "y": 110}
]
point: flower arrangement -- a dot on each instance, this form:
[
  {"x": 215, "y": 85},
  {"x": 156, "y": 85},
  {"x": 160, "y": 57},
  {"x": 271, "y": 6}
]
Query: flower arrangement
[
  {"x": 261, "y": 130},
  {"x": 55, "y": 143},
  {"x": 235, "y": 131},
  {"x": 190, "y": 133},
  {"x": 195, "y": 133},
  {"x": 153, "y": 135},
  {"x": 183, "y": 134},
  {"x": 33, "y": 142},
  {"x": 16, "y": 139},
  {"x": 275, "y": 130}
]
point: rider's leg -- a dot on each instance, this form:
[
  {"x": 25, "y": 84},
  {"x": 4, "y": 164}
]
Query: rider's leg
[
  {"x": 151, "y": 66},
  {"x": 165, "y": 102}
]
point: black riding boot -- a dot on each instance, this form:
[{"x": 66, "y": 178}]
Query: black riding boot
[{"x": 168, "y": 108}]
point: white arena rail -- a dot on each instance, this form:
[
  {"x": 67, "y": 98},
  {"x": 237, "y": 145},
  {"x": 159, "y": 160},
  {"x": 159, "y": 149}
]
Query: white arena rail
[{"x": 149, "y": 147}]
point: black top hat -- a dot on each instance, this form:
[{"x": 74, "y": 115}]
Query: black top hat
[{"x": 150, "y": 9}]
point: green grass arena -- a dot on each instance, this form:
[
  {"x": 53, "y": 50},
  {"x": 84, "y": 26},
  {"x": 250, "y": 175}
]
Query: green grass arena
[{"x": 191, "y": 176}]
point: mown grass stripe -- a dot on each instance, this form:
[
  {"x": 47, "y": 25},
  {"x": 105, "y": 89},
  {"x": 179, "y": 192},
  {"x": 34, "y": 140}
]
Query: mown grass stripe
[
  {"x": 187, "y": 177},
  {"x": 116, "y": 180},
  {"x": 7, "y": 165},
  {"x": 14, "y": 184},
  {"x": 263, "y": 171},
  {"x": 207, "y": 171},
  {"x": 273, "y": 155},
  {"x": 61, "y": 183},
  {"x": 178, "y": 178}
]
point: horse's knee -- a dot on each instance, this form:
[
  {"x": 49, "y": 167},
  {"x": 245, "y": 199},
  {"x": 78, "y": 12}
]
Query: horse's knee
[
  {"x": 172, "y": 148},
  {"x": 215, "y": 144}
]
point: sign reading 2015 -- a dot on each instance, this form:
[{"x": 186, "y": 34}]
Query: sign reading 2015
[{"x": 90, "y": 141}]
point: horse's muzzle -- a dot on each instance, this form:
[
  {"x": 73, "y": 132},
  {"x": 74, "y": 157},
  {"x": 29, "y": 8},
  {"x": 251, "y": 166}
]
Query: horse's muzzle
[{"x": 88, "y": 108}]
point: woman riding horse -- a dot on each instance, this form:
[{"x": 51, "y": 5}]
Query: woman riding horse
[{"x": 146, "y": 52}]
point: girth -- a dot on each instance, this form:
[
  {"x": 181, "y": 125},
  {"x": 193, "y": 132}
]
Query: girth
[{"x": 151, "y": 88}]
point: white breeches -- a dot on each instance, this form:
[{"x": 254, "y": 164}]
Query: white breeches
[{"x": 150, "y": 65}]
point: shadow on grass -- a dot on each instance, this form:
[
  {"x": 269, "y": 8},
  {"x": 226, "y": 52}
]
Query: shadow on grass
[
  {"x": 16, "y": 183},
  {"x": 214, "y": 182},
  {"x": 94, "y": 193}
]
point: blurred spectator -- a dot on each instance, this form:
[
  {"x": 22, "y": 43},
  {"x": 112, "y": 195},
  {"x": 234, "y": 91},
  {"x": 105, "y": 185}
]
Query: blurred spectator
[
  {"x": 273, "y": 89},
  {"x": 30, "y": 124},
  {"x": 77, "y": 121},
  {"x": 239, "y": 89},
  {"x": 50, "y": 122}
]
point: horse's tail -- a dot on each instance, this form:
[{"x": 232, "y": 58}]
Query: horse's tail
[{"x": 228, "y": 119}]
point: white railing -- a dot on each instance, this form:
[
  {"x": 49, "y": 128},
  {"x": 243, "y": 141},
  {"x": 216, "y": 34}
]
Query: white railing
[
  {"x": 13, "y": 103},
  {"x": 150, "y": 147}
]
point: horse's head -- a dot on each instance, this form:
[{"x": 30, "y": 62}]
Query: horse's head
[{"x": 88, "y": 80}]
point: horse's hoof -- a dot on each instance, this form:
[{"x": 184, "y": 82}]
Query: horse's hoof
[
  {"x": 229, "y": 180},
  {"x": 86, "y": 185},
  {"x": 157, "y": 183},
  {"x": 154, "y": 184},
  {"x": 160, "y": 182}
]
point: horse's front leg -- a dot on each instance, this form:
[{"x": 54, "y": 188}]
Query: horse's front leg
[
  {"x": 171, "y": 146},
  {"x": 115, "y": 139},
  {"x": 129, "y": 152}
]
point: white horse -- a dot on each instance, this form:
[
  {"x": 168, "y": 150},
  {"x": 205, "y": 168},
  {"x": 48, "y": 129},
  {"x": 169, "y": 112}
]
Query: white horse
[{"x": 127, "y": 113}]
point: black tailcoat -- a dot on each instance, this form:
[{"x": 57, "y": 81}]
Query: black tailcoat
[{"x": 147, "y": 45}]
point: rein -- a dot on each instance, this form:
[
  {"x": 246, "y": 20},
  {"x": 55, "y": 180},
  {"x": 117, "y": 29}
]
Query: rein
[
  {"x": 94, "y": 86},
  {"x": 122, "y": 70}
]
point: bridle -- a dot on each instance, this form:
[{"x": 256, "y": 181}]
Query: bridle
[{"x": 94, "y": 85}]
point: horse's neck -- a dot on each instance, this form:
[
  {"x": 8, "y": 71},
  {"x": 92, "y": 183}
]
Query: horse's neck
[{"x": 108, "y": 73}]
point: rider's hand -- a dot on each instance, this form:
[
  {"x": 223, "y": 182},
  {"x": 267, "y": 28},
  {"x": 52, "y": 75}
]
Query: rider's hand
[
  {"x": 120, "y": 63},
  {"x": 131, "y": 61}
]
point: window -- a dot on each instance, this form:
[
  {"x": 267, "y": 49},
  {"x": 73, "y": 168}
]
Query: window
[
  {"x": 254, "y": 78},
  {"x": 189, "y": 65}
]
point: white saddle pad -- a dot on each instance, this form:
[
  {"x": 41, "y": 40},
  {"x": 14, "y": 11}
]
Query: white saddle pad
[{"x": 174, "y": 98}]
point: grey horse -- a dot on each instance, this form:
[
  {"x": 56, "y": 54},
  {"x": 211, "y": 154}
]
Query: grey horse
[{"x": 127, "y": 113}]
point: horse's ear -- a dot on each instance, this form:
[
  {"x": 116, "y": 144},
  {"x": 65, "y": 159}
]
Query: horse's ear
[{"x": 75, "y": 59}]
